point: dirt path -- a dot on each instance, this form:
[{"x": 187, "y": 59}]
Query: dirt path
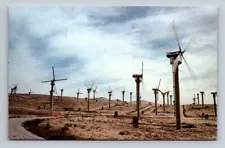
[{"x": 17, "y": 132}]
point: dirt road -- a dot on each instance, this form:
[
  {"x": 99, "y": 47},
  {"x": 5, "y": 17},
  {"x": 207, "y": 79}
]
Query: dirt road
[{"x": 17, "y": 132}]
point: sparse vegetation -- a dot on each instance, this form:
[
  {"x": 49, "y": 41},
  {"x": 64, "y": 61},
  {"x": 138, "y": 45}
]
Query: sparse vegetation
[{"x": 102, "y": 125}]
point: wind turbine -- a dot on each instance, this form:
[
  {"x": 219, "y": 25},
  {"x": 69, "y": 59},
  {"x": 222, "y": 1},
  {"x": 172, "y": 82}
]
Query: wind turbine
[
  {"x": 15, "y": 88},
  {"x": 11, "y": 92},
  {"x": 156, "y": 89},
  {"x": 78, "y": 93},
  {"x": 214, "y": 102},
  {"x": 110, "y": 95},
  {"x": 30, "y": 92},
  {"x": 130, "y": 98},
  {"x": 168, "y": 95},
  {"x": 61, "y": 90},
  {"x": 94, "y": 91},
  {"x": 88, "y": 91},
  {"x": 138, "y": 79},
  {"x": 55, "y": 92},
  {"x": 175, "y": 60},
  {"x": 123, "y": 92},
  {"x": 52, "y": 82},
  {"x": 142, "y": 85},
  {"x": 163, "y": 95}
]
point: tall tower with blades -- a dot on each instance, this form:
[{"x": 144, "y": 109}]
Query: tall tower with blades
[
  {"x": 164, "y": 104},
  {"x": 175, "y": 60},
  {"x": 88, "y": 101},
  {"x": 164, "y": 101},
  {"x": 198, "y": 98},
  {"x": 214, "y": 102},
  {"x": 52, "y": 82},
  {"x": 110, "y": 95},
  {"x": 142, "y": 85},
  {"x": 202, "y": 94},
  {"x": 94, "y": 91},
  {"x": 138, "y": 79},
  {"x": 11, "y": 92},
  {"x": 171, "y": 99},
  {"x": 30, "y": 92},
  {"x": 167, "y": 95},
  {"x": 130, "y": 98},
  {"x": 78, "y": 93},
  {"x": 156, "y": 90},
  {"x": 15, "y": 88},
  {"x": 61, "y": 93},
  {"x": 123, "y": 93},
  {"x": 11, "y": 96},
  {"x": 194, "y": 100}
]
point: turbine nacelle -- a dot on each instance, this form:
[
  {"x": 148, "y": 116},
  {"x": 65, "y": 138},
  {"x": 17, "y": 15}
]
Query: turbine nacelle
[{"x": 173, "y": 56}]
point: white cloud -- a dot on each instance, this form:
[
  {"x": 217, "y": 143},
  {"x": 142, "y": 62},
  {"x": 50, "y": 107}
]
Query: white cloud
[{"x": 115, "y": 51}]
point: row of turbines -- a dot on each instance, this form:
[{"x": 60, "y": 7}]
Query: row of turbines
[
  {"x": 89, "y": 90},
  {"x": 175, "y": 60}
]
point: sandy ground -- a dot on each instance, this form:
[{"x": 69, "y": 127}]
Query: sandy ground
[
  {"x": 102, "y": 127},
  {"x": 100, "y": 123}
]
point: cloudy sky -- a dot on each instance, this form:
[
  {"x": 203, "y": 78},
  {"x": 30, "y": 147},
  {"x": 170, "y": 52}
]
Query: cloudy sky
[{"x": 106, "y": 45}]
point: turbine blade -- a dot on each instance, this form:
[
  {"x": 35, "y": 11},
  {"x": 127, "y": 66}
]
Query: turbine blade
[
  {"x": 53, "y": 72},
  {"x": 60, "y": 79},
  {"x": 193, "y": 75},
  {"x": 159, "y": 83},
  {"x": 176, "y": 35},
  {"x": 56, "y": 90},
  {"x": 92, "y": 85},
  {"x": 188, "y": 45},
  {"x": 46, "y": 81}
]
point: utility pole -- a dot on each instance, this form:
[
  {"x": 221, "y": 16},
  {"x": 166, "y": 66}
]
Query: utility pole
[
  {"x": 138, "y": 79},
  {"x": 52, "y": 86},
  {"x": 61, "y": 92},
  {"x": 202, "y": 93},
  {"x": 214, "y": 100}
]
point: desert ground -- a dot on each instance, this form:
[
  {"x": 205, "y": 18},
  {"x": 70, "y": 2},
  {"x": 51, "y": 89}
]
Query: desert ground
[{"x": 30, "y": 118}]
